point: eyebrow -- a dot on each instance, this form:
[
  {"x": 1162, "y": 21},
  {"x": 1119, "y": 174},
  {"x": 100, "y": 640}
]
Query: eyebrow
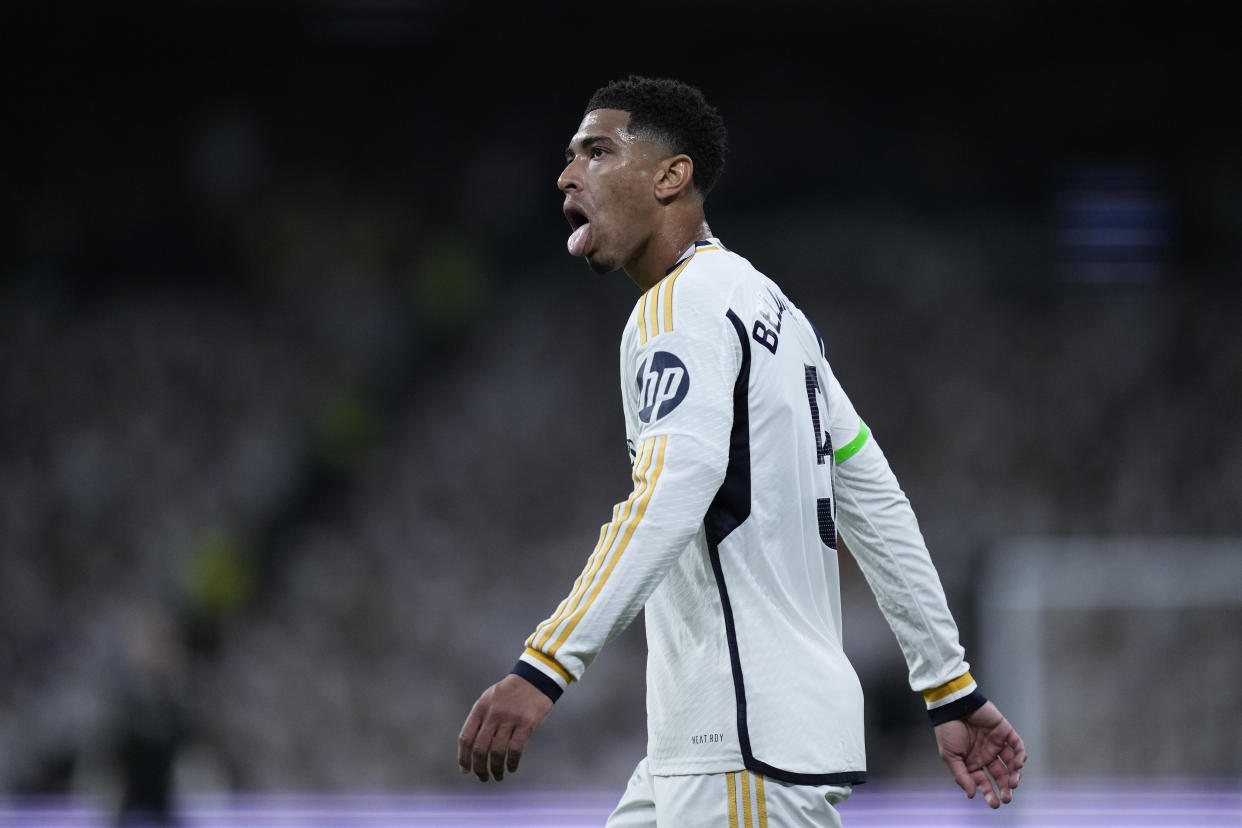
[{"x": 588, "y": 142}]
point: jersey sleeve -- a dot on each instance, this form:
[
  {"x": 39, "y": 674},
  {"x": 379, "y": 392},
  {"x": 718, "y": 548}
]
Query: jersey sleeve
[
  {"x": 679, "y": 363},
  {"x": 877, "y": 523}
]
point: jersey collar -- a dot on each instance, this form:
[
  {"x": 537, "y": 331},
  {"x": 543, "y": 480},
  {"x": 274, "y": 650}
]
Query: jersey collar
[{"x": 694, "y": 248}]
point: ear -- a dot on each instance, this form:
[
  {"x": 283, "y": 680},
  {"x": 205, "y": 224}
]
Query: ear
[{"x": 674, "y": 175}]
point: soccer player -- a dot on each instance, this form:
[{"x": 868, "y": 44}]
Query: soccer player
[{"x": 748, "y": 461}]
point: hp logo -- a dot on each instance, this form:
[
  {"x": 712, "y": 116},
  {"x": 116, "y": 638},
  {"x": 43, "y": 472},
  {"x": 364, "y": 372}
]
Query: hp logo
[{"x": 662, "y": 384}]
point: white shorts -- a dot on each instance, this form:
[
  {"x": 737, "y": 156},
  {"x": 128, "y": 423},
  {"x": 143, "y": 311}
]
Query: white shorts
[{"x": 738, "y": 799}]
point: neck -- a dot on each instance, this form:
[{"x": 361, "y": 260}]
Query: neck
[{"x": 663, "y": 250}]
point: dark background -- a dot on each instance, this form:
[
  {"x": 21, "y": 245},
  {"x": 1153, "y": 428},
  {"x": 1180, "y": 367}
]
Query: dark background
[
  {"x": 307, "y": 419},
  {"x": 941, "y": 108}
]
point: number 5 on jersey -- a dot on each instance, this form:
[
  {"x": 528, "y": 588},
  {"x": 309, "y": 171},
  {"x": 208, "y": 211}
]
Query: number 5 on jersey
[{"x": 823, "y": 452}]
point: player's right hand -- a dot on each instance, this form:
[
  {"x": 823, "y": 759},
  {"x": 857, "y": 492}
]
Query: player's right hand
[{"x": 498, "y": 727}]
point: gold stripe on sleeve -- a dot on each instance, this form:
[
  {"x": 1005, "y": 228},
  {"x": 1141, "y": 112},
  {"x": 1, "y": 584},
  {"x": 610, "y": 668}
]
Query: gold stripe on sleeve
[
  {"x": 937, "y": 693},
  {"x": 561, "y": 607},
  {"x": 668, "y": 295},
  {"x": 642, "y": 320},
  {"x": 649, "y": 328},
  {"x": 608, "y": 533},
  {"x": 622, "y": 541},
  {"x": 551, "y": 662},
  {"x": 654, "y": 330}
]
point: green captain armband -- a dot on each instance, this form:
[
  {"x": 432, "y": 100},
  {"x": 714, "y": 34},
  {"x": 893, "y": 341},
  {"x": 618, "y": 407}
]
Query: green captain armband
[{"x": 853, "y": 446}]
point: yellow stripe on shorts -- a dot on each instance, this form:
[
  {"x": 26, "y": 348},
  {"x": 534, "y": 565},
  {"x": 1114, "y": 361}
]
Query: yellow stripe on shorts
[
  {"x": 732, "y": 784},
  {"x": 763, "y": 802}
]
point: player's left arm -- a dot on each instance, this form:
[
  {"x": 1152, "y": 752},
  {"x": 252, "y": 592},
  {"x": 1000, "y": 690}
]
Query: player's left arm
[{"x": 879, "y": 527}]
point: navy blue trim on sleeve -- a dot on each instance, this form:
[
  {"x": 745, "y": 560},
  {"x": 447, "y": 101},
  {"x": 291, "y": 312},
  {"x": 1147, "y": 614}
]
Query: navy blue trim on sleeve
[
  {"x": 958, "y": 708},
  {"x": 544, "y": 684}
]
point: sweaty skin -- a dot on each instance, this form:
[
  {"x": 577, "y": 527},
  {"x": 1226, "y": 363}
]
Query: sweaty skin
[{"x": 630, "y": 204}]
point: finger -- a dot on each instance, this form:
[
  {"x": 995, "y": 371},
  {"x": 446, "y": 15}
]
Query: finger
[
  {"x": 1012, "y": 768},
  {"x": 1000, "y": 778},
  {"x": 1019, "y": 752},
  {"x": 517, "y": 744},
  {"x": 985, "y": 786},
  {"x": 496, "y": 754},
  {"x": 480, "y": 750},
  {"x": 1014, "y": 757},
  {"x": 1002, "y": 753},
  {"x": 960, "y": 775},
  {"x": 996, "y": 739},
  {"x": 465, "y": 739}
]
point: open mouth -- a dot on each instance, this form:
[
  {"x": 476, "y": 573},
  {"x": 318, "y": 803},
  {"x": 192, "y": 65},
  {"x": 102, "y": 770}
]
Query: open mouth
[
  {"x": 580, "y": 239},
  {"x": 576, "y": 217}
]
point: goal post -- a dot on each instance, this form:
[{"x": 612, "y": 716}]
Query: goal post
[{"x": 1116, "y": 657}]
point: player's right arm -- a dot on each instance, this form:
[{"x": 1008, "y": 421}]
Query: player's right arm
[
  {"x": 679, "y": 366},
  {"x": 681, "y": 409},
  {"x": 500, "y": 722}
]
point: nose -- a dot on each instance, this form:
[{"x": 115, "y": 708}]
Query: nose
[{"x": 569, "y": 179}]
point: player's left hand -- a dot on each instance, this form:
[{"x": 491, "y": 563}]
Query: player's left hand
[
  {"x": 499, "y": 724},
  {"x": 982, "y": 744}
]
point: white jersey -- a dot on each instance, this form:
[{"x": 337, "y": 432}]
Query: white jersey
[{"x": 748, "y": 459}]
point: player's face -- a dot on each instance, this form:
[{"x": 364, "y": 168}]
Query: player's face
[{"x": 609, "y": 186}]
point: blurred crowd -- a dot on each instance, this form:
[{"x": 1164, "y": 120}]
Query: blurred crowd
[
  {"x": 315, "y": 564},
  {"x": 306, "y": 420}
]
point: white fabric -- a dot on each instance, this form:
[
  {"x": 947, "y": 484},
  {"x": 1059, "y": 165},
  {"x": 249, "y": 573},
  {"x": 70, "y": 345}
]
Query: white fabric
[
  {"x": 714, "y": 800},
  {"x": 681, "y": 355}
]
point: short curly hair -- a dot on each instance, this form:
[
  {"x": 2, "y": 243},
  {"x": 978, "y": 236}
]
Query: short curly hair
[{"x": 674, "y": 113}]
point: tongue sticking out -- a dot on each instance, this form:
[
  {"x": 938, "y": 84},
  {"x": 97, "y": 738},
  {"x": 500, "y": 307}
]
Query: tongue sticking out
[{"x": 580, "y": 240}]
